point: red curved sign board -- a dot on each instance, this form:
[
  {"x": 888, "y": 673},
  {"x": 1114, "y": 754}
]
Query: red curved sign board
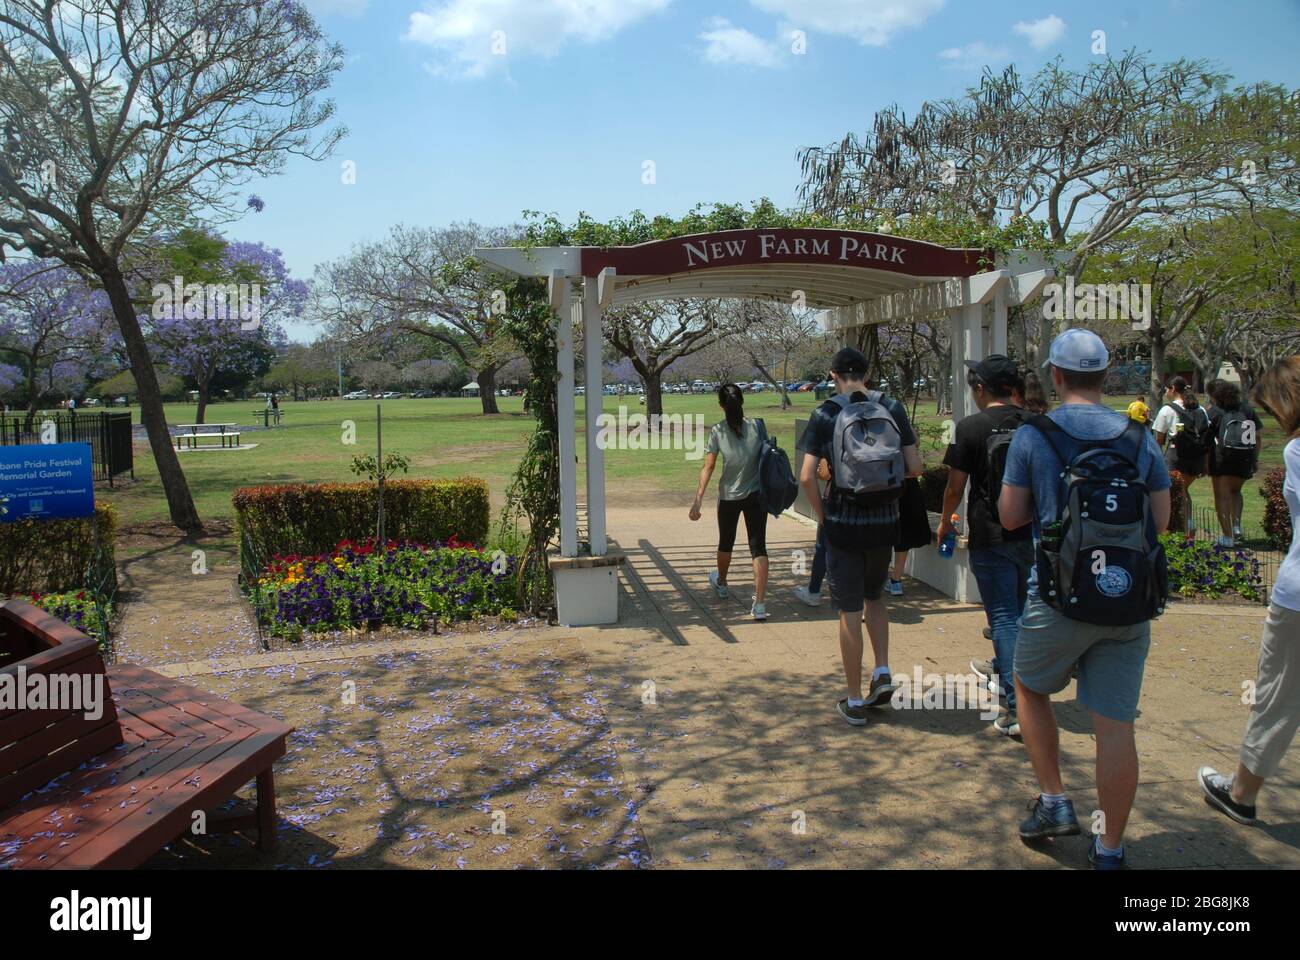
[{"x": 745, "y": 248}]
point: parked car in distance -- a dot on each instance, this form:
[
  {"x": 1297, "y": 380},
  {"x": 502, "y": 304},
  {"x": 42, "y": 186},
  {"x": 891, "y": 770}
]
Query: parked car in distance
[{"x": 356, "y": 395}]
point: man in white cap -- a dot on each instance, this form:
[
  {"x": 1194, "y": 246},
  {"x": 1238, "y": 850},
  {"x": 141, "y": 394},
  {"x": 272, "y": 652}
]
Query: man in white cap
[{"x": 1110, "y": 659}]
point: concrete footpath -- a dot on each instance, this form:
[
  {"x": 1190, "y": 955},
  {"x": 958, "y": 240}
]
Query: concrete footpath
[{"x": 727, "y": 728}]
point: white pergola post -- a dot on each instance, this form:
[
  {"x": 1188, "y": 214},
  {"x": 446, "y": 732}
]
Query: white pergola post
[
  {"x": 999, "y": 340},
  {"x": 561, "y": 290},
  {"x": 593, "y": 304},
  {"x": 957, "y": 337}
]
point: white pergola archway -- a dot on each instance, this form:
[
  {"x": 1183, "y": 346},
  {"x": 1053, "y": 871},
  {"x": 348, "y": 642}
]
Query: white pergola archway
[{"x": 858, "y": 278}]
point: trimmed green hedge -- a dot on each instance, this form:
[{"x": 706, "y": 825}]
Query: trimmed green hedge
[
  {"x": 306, "y": 519},
  {"x": 59, "y": 556}
]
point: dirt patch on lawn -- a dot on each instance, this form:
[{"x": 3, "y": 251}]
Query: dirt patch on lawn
[{"x": 487, "y": 756}]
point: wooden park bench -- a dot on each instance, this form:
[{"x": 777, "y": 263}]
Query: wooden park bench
[
  {"x": 225, "y": 433},
  {"x": 110, "y": 792}
]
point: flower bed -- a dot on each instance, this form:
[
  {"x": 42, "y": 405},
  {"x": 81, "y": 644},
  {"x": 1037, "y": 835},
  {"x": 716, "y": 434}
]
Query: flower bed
[
  {"x": 1201, "y": 569},
  {"x": 79, "y": 611},
  {"x": 365, "y": 585}
]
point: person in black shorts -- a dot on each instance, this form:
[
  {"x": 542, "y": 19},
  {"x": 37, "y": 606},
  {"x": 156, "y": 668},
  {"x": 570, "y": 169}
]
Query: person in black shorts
[
  {"x": 859, "y": 539},
  {"x": 1231, "y": 468},
  {"x": 913, "y": 531}
]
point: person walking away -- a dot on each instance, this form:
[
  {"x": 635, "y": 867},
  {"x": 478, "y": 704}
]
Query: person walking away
[
  {"x": 1275, "y": 714},
  {"x": 1183, "y": 430},
  {"x": 871, "y": 447},
  {"x": 1093, "y": 485},
  {"x": 738, "y": 441},
  {"x": 913, "y": 531},
  {"x": 1235, "y": 432},
  {"x": 812, "y": 594},
  {"x": 1000, "y": 559},
  {"x": 1032, "y": 396}
]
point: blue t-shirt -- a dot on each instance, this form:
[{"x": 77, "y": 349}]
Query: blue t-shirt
[
  {"x": 849, "y": 526},
  {"x": 1032, "y": 461}
]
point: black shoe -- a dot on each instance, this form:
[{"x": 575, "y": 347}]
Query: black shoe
[
  {"x": 1102, "y": 861},
  {"x": 1044, "y": 822},
  {"x": 857, "y": 716},
  {"x": 1218, "y": 793},
  {"x": 882, "y": 688}
]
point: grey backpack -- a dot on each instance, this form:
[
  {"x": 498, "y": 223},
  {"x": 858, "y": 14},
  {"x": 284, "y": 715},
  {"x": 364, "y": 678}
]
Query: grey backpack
[{"x": 867, "y": 466}]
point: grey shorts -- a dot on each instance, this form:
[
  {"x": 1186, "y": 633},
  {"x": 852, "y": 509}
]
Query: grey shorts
[
  {"x": 856, "y": 575},
  {"x": 1111, "y": 660}
]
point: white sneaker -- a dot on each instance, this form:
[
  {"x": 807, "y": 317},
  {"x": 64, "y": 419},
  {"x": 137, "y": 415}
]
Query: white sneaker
[
  {"x": 719, "y": 587},
  {"x": 758, "y": 610},
  {"x": 808, "y": 597},
  {"x": 1225, "y": 542},
  {"x": 895, "y": 587}
]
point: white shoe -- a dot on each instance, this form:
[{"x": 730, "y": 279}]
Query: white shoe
[
  {"x": 895, "y": 587},
  {"x": 718, "y": 587},
  {"x": 758, "y": 610},
  {"x": 1225, "y": 542},
  {"x": 808, "y": 597}
]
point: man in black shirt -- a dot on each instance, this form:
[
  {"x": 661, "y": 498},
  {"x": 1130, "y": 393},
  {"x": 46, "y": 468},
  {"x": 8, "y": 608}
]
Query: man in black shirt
[
  {"x": 859, "y": 540},
  {"x": 1000, "y": 559}
]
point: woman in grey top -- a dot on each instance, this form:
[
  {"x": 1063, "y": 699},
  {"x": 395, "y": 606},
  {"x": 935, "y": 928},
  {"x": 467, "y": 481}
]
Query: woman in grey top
[{"x": 739, "y": 442}]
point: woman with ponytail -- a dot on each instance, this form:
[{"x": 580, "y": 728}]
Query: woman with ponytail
[
  {"x": 1182, "y": 427},
  {"x": 738, "y": 441}
]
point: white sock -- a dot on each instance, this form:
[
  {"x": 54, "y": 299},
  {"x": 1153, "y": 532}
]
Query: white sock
[
  {"x": 1106, "y": 851},
  {"x": 857, "y": 701},
  {"x": 879, "y": 672},
  {"x": 1052, "y": 799}
]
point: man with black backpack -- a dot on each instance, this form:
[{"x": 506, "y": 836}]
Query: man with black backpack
[
  {"x": 1093, "y": 485},
  {"x": 869, "y": 443},
  {"x": 1000, "y": 559}
]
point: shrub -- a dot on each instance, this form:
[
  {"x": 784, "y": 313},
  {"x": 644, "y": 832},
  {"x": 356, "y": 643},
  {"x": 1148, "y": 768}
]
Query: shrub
[
  {"x": 1200, "y": 568},
  {"x": 310, "y": 519},
  {"x": 1277, "y": 515},
  {"x": 57, "y": 556},
  {"x": 401, "y": 585}
]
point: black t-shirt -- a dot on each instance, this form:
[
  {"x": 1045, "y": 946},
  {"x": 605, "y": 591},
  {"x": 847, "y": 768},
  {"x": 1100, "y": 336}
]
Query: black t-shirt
[{"x": 967, "y": 454}]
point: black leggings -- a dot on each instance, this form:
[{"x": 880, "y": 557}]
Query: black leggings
[{"x": 729, "y": 512}]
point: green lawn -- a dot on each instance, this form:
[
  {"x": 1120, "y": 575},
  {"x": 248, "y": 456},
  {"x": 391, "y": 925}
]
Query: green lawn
[{"x": 451, "y": 438}]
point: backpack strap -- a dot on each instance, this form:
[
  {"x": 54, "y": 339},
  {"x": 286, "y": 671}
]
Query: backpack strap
[
  {"x": 1051, "y": 431},
  {"x": 762, "y": 430}
]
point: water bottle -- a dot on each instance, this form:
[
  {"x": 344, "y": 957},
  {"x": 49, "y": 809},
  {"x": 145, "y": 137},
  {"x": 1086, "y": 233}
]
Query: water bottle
[{"x": 949, "y": 545}]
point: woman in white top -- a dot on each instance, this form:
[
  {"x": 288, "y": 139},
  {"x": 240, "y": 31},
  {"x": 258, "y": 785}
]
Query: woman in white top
[
  {"x": 1189, "y": 454},
  {"x": 1275, "y": 715}
]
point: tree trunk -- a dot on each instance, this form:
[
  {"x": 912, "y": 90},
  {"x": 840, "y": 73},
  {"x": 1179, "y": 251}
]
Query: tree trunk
[
  {"x": 180, "y": 503},
  {"x": 1157, "y": 370},
  {"x": 487, "y": 390},
  {"x": 203, "y": 404},
  {"x": 33, "y": 396},
  {"x": 654, "y": 397}
]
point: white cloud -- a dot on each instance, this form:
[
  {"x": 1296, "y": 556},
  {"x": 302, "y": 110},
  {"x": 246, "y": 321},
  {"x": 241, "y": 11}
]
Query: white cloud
[
  {"x": 871, "y": 22},
  {"x": 728, "y": 44},
  {"x": 474, "y": 35},
  {"x": 974, "y": 56},
  {"x": 1041, "y": 33},
  {"x": 345, "y": 8}
]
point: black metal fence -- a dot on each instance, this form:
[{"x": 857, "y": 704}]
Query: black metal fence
[
  {"x": 1252, "y": 538},
  {"x": 109, "y": 436}
]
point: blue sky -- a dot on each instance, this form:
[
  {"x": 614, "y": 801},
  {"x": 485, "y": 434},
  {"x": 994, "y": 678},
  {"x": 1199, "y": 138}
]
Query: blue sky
[{"x": 579, "y": 94}]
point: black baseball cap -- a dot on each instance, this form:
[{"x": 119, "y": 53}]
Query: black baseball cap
[
  {"x": 850, "y": 361},
  {"x": 996, "y": 372}
]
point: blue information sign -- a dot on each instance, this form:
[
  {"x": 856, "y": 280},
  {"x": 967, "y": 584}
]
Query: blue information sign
[{"x": 46, "y": 482}]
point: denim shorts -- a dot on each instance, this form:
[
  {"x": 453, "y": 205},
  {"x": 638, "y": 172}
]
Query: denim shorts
[{"x": 1111, "y": 660}]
